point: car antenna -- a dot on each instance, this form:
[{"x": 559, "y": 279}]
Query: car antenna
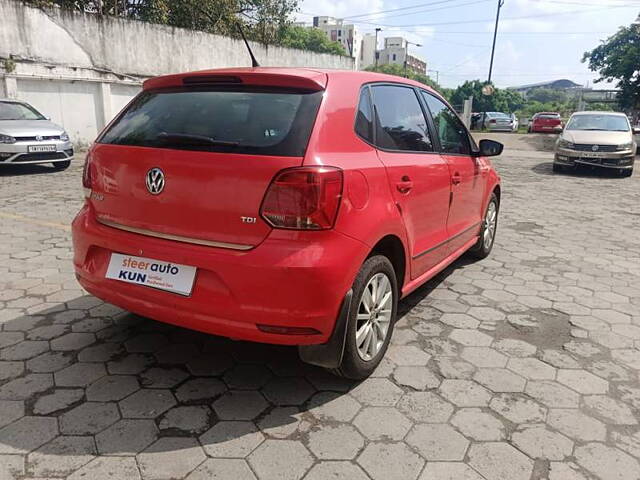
[{"x": 254, "y": 62}]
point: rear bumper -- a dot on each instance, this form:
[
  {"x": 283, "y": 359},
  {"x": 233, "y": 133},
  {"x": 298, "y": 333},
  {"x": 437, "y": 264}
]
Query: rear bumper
[{"x": 292, "y": 279}]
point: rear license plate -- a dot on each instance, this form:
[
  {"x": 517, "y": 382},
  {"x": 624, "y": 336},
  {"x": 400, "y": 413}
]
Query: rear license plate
[
  {"x": 41, "y": 148},
  {"x": 171, "y": 277}
]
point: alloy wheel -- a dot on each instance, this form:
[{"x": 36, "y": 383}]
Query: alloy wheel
[
  {"x": 374, "y": 316},
  {"x": 490, "y": 221}
]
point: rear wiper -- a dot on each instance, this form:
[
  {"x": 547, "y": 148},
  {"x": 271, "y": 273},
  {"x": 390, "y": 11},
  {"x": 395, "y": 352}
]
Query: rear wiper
[{"x": 192, "y": 139}]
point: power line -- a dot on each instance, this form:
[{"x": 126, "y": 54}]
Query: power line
[
  {"x": 400, "y": 9},
  {"x": 486, "y": 20},
  {"x": 428, "y": 10}
]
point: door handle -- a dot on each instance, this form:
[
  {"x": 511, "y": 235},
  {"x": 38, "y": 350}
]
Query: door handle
[
  {"x": 456, "y": 178},
  {"x": 404, "y": 185}
]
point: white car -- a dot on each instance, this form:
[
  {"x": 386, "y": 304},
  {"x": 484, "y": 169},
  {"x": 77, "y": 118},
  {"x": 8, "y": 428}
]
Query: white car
[
  {"x": 597, "y": 139},
  {"x": 27, "y": 136}
]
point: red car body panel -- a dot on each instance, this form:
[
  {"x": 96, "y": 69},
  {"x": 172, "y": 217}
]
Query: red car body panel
[{"x": 284, "y": 278}]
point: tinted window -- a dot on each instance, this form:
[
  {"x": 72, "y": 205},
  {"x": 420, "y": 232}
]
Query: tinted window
[
  {"x": 240, "y": 120},
  {"x": 400, "y": 122},
  {"x": 451, "y": 132},
  {"x": 364, "y": 117}
]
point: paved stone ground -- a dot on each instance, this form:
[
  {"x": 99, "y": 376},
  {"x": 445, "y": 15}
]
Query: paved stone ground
[{"x": 523, "y": 366}]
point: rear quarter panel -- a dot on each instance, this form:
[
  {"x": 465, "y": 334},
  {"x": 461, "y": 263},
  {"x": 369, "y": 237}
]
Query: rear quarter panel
[{"x": 367, "y": 212}]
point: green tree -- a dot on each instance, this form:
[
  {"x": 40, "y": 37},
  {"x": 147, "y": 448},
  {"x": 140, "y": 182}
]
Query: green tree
[
  {"x": 502, "y": 100},
  {"x": 312, "y": 39},
  {"x": 617, "y": 59},
  {"x": 263, "y": 20},
  {"x": 398, "y": 70}
]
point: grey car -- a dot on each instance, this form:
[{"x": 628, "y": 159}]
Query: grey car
[{"x": 27, "y": 136}]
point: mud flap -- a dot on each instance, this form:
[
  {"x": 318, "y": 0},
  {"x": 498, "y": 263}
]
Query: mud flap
[{"x": 329, "y": 355}]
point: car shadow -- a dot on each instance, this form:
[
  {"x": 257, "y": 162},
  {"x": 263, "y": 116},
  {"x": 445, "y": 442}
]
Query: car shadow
[
  {"x": 546, "y": 168},
  {"x": 26, "y": 169}
]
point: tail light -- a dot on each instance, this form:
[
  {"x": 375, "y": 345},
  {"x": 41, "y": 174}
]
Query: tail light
[
  {"x": 87, "y": 176},
  {"x": 303, "y": 198},
  {"x": 492, "y": 120}
]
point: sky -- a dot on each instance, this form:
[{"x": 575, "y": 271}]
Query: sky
[{"x": 538, "y": 40}]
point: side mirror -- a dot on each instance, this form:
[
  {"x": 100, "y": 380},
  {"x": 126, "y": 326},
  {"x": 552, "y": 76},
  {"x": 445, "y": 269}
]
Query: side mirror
[
  {"x": 636, "y": 130},
  {"x": 489, "y": 148}
]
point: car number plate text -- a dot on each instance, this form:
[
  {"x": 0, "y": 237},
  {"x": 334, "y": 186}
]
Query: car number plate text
[
  {"x": 171, "y": 277},
  {"x": 41, "y": 148},
  {"x": 590, "y": 155}
]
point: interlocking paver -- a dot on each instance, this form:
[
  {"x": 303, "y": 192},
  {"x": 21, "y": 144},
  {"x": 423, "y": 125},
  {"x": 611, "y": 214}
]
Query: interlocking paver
[
  {"x": 438, "y": 442},
  {"x": 390, "y": 461},
  {"x": 280, "y": 459},
  {"x": 170, "y": 457},
  {"x": 541, "y": 339},
  {"x": 61, "y": 456},
  {"x": 89, "y": 418}
]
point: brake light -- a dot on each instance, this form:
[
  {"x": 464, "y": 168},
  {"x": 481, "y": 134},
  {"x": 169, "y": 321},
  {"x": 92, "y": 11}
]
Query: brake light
[
  {"x": 303, "y": 198},
  {"x": 87, "y": 176},
  {"x": 493, "y": 120}
]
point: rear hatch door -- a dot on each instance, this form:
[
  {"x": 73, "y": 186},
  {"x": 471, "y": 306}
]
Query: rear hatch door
[{"x": 193, "y": 162}]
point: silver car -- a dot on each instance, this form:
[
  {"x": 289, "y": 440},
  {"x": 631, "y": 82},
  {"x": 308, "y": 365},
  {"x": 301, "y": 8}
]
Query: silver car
[
  {"x": 500, "y": 122},
  {"x": 597, "y": 139},
  {"x": 27, "y": 136}
]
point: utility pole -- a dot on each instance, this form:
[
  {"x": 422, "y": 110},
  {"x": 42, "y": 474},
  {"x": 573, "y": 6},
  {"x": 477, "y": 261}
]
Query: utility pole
[
  {"x": 437, "y": 72},
  {"x": 377, "y": 54},
  {"x": 495, "y": 35},
  {"x": 493, "y": 51},
  {"x": 406, "y": 54}
]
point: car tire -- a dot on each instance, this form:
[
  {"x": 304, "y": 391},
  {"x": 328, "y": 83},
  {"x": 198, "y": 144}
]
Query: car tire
[
  {"x": 59, "y": 166},
  {"x": 362, "y": 356},
  {"x": 558, "y": 168},
  {"x": 626, "y": 173},
  {"x": 484, "y": 245}
]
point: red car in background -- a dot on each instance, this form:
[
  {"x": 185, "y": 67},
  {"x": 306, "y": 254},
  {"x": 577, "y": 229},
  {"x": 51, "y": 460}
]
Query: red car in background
[
  {"x": 285, "y": 206},
  {"x": 545, "y": 122}
]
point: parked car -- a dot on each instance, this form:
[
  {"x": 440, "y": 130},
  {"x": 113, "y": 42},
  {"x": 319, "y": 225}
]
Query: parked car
[
  {"x": 598, "y": 139},
  {"x": 499, "y": 122},
  {"x": 279, "y": 206},
  {"x": 27, "y": 136},
  {"x": 545, "y": 122}
]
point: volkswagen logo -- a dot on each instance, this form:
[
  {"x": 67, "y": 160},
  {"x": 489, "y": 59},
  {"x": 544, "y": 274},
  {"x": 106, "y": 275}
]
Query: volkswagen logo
[
  {"x": 155, "y": 181},
  {"x": 39, "y": 138},
  {"x": 595, "y": 148}
]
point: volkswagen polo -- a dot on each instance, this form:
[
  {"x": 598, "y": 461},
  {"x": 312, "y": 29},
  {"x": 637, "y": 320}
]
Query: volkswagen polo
[{"x": 285, "y": 206}]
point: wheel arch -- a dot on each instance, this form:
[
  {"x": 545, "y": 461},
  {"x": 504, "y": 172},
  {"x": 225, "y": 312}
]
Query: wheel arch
[{"x": 392, "y": 247}]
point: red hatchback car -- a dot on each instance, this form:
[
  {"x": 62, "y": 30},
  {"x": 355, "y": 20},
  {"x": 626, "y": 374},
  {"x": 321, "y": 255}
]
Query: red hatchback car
[
  {"x": 545, "y": 122},
  {"x": 286, "y": 206}
]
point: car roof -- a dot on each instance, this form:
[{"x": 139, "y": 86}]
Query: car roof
[{"x": 311, "y": 78}]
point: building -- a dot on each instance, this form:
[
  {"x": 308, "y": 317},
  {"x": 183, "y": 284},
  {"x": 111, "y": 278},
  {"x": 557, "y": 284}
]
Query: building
[
  {"x": 395, "y": 52},
  {"x": 368, "y": 51},
  {"x": 345, "y": 34},
  {"x": 562, "y": 84}
]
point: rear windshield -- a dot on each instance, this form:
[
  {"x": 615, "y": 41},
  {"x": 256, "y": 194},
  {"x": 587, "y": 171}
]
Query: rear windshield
[
  {"x": 554, "y": 116},
  {"x": 238, "y": 120}
]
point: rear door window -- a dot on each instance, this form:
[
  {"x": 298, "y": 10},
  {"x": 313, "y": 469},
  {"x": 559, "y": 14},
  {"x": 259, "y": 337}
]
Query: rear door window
[
  {"x": 400, "y": 122},
  {"x": 235, "y": 120},
  {"x": 451, "y": 132}
]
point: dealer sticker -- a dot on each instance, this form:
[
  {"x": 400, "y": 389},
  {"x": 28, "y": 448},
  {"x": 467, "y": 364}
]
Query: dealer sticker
[{"x": 171, "y": 277}]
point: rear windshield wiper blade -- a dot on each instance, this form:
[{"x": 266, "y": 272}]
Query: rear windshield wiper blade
[{"x": 193, "y": 139}]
